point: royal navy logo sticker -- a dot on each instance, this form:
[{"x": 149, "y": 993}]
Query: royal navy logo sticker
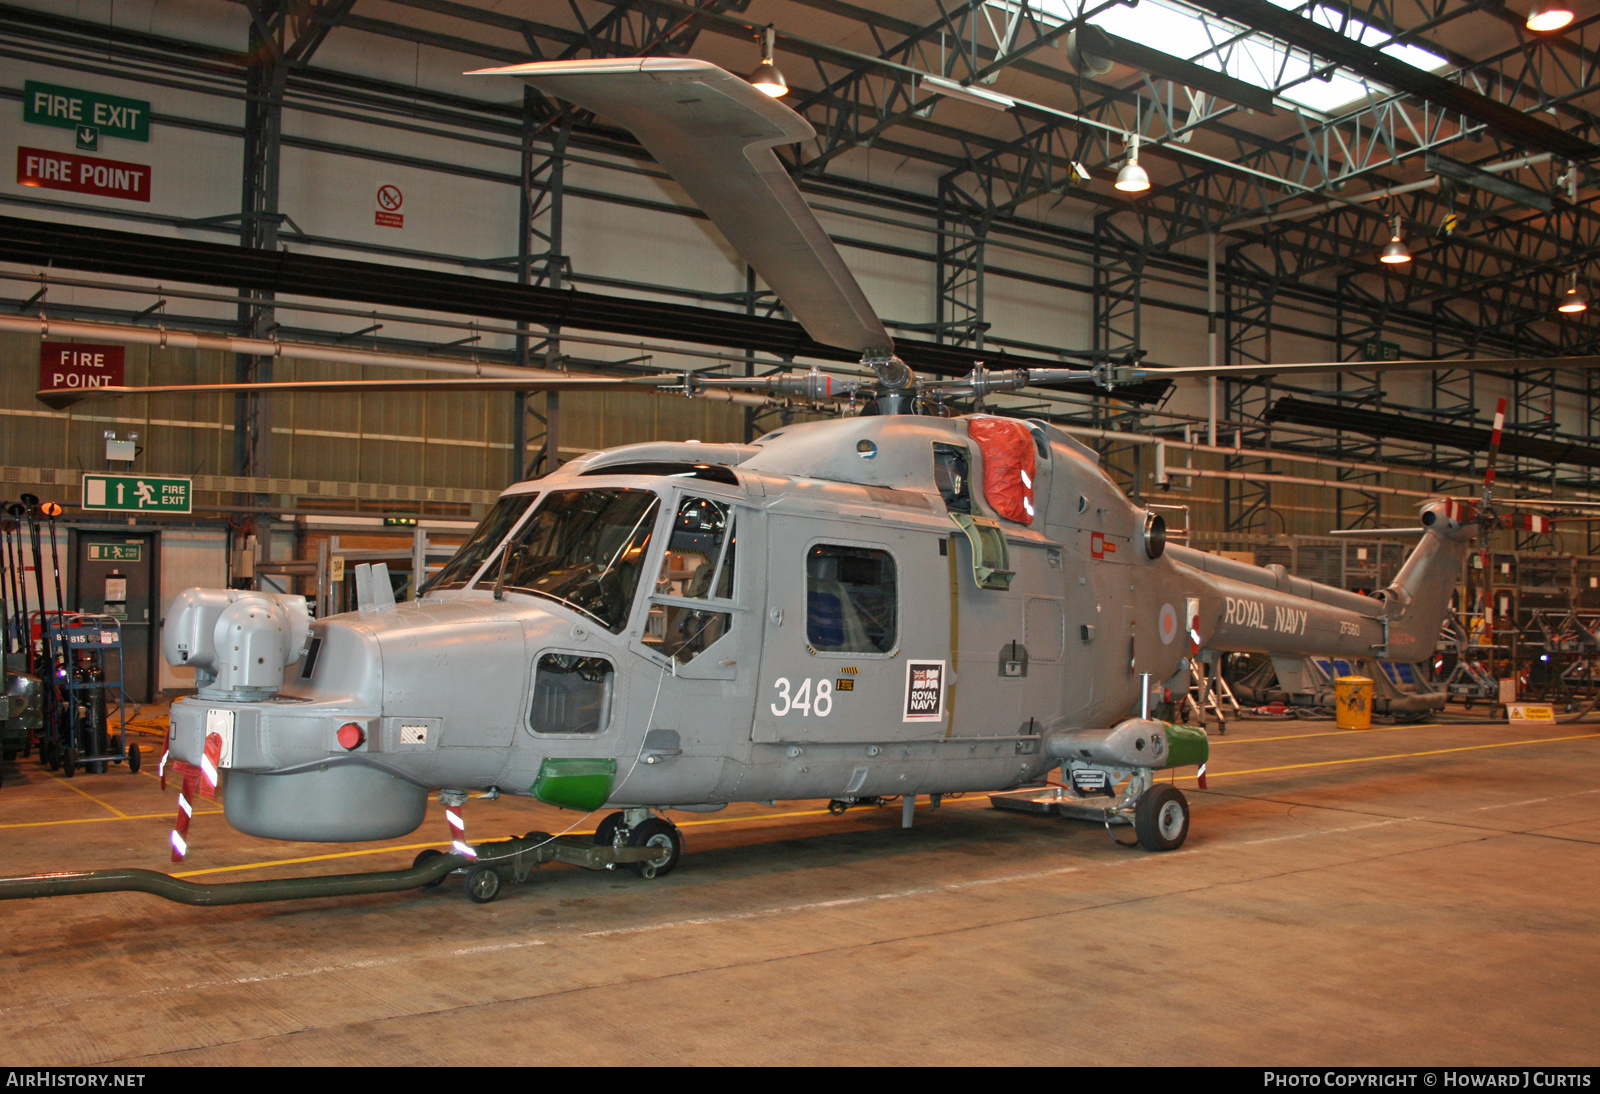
[{"x": 924, "y": 691}]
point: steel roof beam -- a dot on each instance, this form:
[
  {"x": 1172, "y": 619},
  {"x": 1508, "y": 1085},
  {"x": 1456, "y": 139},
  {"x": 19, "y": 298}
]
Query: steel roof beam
[{"x": 1296, "y": 30}]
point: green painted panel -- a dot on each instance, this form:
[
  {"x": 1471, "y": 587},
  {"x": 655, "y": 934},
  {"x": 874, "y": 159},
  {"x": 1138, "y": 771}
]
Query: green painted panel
[
  {"x": 575, "y": 783},
  {"x": 1187, "y": 745}
]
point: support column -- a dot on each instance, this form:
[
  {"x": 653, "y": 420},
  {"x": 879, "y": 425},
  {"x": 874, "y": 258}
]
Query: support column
[
  {"x": 962, "y": 227},
  {"x": 258, "y": 227},
  {"x": 1249, "y": 289},
  {"x": 540, "y": 261}
]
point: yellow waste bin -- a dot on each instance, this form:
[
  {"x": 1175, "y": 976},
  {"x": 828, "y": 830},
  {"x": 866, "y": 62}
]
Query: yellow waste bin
[{"x": 1352, "y": 702}]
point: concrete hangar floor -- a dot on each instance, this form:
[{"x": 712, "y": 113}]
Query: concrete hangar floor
[{"x": 1406, "y": 895}]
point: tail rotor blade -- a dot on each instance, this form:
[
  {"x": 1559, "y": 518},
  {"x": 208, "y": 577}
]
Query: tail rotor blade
[{"x": 1494, "y": 453}]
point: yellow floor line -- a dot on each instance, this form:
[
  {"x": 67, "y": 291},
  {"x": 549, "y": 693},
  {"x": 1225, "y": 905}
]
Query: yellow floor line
[
  {"x": 79, "y": 790},
  {"x": 104, "y": 820},
  {"x": 308, "y": 858},
  {"x": 1394, "y": 756},
  {"x": 1226, "y": 740}
]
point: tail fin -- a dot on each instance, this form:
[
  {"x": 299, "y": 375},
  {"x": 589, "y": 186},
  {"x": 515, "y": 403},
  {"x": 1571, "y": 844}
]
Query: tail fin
[{"x": 1416, "y": 602}]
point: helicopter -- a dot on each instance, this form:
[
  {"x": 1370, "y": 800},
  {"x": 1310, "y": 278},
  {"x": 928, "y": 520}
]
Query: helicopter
[{"x": 886, "y": 604}]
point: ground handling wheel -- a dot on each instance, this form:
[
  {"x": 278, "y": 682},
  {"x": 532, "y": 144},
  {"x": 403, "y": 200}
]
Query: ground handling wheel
[
  {"x": 656, "y": 832},
  {"x": 1161, "y": 818},
  {"x": 134, "y": 759},
  {"x": 482, "y": 884},
  {"x": 69, "y": 763}
]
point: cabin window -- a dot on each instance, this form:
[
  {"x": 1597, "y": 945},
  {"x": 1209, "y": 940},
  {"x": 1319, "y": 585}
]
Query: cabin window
[
  {"x": 950, "y": 476},
  {"x": 571, "y": 694},
  {"x": 696, "y": 570},
  {"x": 851, "y": 599},
  {"x": 484, "y": 538}
]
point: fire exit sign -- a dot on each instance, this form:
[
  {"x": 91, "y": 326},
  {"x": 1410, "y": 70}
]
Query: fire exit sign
[
  {"x": 137, "y": 494},
  {"x": 116, "y": 552},
  {"x": 73, "y": 108}
]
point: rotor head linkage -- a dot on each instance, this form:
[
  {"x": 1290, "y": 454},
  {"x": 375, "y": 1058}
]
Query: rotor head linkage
[{"x": 894, "y": 375}]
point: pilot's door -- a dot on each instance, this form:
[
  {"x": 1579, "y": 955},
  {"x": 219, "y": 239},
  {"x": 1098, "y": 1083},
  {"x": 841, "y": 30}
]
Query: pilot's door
[
  {"x": 856, "y": 633},
  {"x": 701, "y": 620}
]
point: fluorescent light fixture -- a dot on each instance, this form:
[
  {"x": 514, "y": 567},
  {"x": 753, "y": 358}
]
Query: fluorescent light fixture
[{"x": 979, "y": 96}]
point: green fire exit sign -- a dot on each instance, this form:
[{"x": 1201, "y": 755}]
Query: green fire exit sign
[{"x": 137, "y": 494}]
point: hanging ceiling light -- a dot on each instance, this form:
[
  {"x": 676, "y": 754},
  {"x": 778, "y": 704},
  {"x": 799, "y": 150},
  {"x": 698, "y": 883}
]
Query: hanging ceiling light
[
  {"x": 1575, "y": 299},
  {"x": 766, "y": 78},
  {"x": 1133, "y": 178},
  {"x": 1548, "y": 15},
  {"x": 1395, "y": 252}
]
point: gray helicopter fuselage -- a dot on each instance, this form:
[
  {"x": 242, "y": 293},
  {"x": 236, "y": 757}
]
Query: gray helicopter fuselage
[{"x": 832, "y": 612}]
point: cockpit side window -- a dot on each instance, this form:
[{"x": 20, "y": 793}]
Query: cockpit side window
[
  {"x": 584, "y": 549},
  {"x": 499, "y": 520},
  {"x": 571, "y": 694}
]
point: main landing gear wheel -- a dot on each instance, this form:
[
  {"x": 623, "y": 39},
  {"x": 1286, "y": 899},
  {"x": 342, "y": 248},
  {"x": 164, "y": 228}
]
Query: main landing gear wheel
[
  {"x": 1161, "y": 819},
  {"x": 482, "y": 884},
  {"x": 425, "y": 857},
  {"x": 656, "y": 832}
]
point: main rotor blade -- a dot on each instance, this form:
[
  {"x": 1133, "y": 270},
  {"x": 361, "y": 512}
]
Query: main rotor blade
[
  {"x": 1312, "y": 367},
  {"x": 715, "y": 133},
  {"x": 60, "y": 397},
  {"x": 792, "y": 384}
]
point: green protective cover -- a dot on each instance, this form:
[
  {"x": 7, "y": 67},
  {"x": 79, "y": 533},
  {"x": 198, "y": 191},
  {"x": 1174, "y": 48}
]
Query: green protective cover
[
  {"x": 1186, "y": 745},
  {"x": 574, "y": 783}
]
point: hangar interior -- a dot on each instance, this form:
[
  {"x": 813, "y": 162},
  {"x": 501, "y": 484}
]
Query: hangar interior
[{"x": 304, "y": 190}]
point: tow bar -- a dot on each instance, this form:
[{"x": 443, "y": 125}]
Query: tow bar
[{"x": 501, "y": 860}]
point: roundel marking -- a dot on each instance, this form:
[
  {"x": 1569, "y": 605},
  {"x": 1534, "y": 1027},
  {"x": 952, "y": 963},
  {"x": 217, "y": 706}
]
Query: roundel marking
[{"x": 1169, "y": 624}]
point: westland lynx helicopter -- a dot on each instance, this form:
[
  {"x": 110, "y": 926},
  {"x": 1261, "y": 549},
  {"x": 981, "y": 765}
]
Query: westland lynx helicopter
[{"x": 887, "y": 604}]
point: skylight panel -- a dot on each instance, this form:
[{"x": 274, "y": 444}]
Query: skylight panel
[{"x": 1252, "y": 58}]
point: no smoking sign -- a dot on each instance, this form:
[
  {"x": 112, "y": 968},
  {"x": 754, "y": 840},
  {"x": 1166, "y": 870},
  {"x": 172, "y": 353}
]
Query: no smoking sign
[{"x": 389, "y": 200}]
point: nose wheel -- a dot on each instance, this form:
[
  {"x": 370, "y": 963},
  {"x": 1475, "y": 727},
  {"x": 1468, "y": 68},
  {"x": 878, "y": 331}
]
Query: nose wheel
[{"x": 1161, "y": 819}]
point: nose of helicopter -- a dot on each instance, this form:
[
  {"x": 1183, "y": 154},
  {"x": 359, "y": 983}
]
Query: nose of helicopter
[{"x": 381, "y": 705}]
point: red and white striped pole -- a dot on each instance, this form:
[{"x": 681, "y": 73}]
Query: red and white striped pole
[
  {"x": 186, "y": 793},
  {"x": 453, "y": 800},
  {"x": 201, "y": 780}
]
